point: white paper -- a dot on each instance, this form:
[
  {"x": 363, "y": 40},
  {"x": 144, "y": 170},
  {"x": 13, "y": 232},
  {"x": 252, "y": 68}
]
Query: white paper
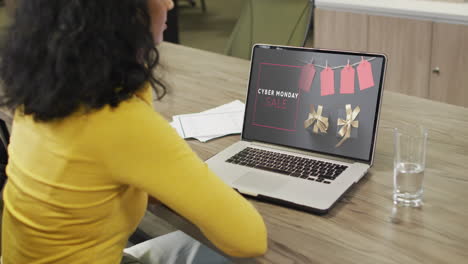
[
  {"x": 176, "y": 125},
  {"x": 216, "y": 122},
  {"x": 210, "y": 124}
]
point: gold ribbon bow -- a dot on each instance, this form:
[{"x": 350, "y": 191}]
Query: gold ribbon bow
[
  {"x": 321, "y": 123},
  {"x": 345, "y": 131}
]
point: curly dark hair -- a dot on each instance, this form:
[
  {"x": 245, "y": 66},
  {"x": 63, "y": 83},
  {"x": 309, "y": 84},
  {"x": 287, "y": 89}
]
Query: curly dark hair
[{"x": 60, "y": 55}]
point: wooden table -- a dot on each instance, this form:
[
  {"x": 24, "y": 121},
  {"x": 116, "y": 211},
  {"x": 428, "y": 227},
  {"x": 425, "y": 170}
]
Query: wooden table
[{"x": 364, "y": 227}]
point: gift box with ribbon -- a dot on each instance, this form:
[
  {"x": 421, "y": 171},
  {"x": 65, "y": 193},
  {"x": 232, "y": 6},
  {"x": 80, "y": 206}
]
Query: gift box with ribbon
[
  {"x": 317, "y": 120},
  {"x": 348, "y": 124}
]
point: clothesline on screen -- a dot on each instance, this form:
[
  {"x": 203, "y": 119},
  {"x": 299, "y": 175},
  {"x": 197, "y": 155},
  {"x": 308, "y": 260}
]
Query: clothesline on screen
[{"x": 336, "y": 67}]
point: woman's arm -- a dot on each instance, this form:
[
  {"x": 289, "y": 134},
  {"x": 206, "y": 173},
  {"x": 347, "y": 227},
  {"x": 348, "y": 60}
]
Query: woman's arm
[{"x": 141, "y": 149}]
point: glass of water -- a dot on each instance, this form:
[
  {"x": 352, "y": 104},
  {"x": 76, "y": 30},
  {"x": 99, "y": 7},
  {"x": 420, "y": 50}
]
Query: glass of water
[{"x": 409, "y": 164}]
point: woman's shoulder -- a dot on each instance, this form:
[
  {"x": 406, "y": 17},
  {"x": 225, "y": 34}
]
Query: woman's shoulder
[
  {"x": 132, "y": 124},
  {"x": 131, "y": 113}
]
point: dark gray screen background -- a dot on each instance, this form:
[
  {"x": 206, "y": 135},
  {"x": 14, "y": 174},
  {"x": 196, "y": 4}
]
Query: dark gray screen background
[{"x": 359, "y": 146}]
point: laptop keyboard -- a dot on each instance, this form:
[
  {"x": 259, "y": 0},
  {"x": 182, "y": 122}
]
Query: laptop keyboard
[{"x": 310, "y": 169}]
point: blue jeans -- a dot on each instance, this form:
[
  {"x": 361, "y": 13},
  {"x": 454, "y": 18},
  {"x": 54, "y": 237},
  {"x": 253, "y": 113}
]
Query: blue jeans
[{"x": 173, "y": 248}]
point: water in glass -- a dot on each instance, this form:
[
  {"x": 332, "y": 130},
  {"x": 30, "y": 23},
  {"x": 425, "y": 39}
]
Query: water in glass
[
  {"x": 409, "y": 164},
  {"x": 408, "y": 184}
]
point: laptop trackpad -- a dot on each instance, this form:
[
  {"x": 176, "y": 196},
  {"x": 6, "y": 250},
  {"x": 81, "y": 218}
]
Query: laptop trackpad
[{"x": 255, "y": 182}]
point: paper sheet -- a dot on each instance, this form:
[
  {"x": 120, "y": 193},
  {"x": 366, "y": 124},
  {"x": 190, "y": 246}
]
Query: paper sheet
[
  {"x": 327, "y": 81},
  {"x": 366, "y": 79},
  {"x": 347, "y": 80},
  {"x": 216, "y": 122}
]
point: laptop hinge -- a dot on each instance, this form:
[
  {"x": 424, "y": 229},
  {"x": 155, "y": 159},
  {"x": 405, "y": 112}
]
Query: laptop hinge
[{"x": 308, "y": 153}]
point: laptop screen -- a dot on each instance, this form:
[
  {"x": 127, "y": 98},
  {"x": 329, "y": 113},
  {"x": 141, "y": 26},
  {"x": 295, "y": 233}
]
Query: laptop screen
[{"x": 318, "y": 100}]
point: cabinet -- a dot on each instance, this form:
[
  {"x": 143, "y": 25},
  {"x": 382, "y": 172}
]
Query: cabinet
[
  {"x": 449, "y": 65},
  {"x": 426, "y": 59},
  {"x": 340, "y": 30},
  {"x": 407, "y": 43}
]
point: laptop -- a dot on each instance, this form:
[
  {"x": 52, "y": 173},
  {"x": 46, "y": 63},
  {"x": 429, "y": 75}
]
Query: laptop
[{"x": 310, "y": 126}]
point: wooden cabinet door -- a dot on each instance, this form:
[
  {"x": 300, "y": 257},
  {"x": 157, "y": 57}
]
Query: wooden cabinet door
[
  {"x": 340, "y": 30},
  {"x": 449, "y": 77},
  {"x": 407, "y": 43}
]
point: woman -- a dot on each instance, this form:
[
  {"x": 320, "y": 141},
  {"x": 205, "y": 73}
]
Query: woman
[{"x": 87, "y": 147}]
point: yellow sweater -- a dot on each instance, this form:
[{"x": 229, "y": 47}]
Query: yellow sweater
[{"x": 78, "y": 187}]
